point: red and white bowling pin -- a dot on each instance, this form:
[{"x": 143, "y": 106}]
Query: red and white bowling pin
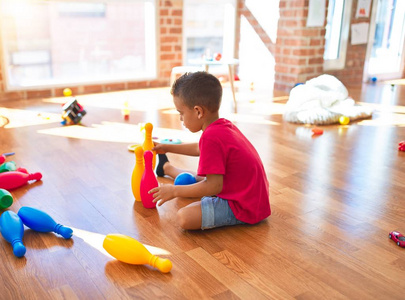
[
  {"x": 12, "y": 229},
  {"x": 14, "y": 179},
  {"x": 148, "y": 181}
]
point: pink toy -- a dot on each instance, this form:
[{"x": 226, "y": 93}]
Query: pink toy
[
  {"x": 148, "y": 181},
  {"x": 3, "y": 157},
  {"x": 14, "y": 179},
  {"x": 401, "y": 146}
]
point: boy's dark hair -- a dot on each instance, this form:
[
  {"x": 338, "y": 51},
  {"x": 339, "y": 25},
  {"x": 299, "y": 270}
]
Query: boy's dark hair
[{"x": 198, "y": 88}]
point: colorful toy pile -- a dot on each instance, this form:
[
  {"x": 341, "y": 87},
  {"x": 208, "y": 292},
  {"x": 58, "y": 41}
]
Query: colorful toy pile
[{"x": 123, "y": 248}]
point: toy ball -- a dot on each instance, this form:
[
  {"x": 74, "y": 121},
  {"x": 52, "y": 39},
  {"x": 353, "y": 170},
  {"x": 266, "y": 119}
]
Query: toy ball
[
  {"x": 184, "y": 179},
  {"x": 343, "y": 120},
  {"x": 67, "y": 92}
]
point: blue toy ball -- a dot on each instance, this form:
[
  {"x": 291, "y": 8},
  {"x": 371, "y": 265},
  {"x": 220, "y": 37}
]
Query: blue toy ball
[{"x": 184, "y": 179}]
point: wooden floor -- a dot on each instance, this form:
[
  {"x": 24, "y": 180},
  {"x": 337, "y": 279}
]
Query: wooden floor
[{"x": 334, "y": 199}]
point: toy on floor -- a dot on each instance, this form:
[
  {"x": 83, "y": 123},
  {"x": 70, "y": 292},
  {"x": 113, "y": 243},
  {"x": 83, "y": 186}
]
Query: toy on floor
[
  {"x": 67, "y": 92},
  {"x": 15, "y": 179},
  {"x": 185, "y": 178},
  {"x": 137, "y": 173},
  {"x": 148, "y": 181},
  {"x": 130, "y": 251},
  {"x": 343, "y": 120},
  {"x": 125, "y": 111},
  {"x": 4, "y": 155},
  {"x": 8, "y": 166},
  {"x": 317, "y": 131},
  {"x": 401, "y": 146},
  {"x": 398, "y": 238},
  {"x": 12, "y": 229},
  {"x": 39, "y": 220},
  {"x": 73, "y": 112},
  {"x": 5, "y": 199}
]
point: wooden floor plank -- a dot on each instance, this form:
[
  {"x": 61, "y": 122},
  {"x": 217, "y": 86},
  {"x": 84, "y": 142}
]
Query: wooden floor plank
[{"x": 334, "y": 199}]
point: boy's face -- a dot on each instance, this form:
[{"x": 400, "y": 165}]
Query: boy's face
[{"x": 188, "y": 116}]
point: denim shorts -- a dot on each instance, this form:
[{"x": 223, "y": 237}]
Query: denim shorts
[{"x": 216, "y": 213}]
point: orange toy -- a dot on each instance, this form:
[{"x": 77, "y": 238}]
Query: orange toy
[{"x": 317, "y": 131}]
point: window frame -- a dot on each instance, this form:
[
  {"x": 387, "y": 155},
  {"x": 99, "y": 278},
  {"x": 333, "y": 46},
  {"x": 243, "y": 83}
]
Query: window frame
[{"x": 340, "y": 62}]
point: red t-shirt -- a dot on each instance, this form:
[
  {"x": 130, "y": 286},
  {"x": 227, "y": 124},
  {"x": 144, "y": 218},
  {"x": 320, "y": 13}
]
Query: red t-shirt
[{"x": 225, "y": 150}]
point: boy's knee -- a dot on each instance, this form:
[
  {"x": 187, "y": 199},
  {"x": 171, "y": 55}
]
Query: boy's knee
[
  {"x": 189, "y": 217},
  {"x": 182, "y": 219}
]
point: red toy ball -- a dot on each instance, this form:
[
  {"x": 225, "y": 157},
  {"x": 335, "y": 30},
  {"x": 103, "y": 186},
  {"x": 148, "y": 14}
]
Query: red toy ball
[{"x": 401, "y": 146}]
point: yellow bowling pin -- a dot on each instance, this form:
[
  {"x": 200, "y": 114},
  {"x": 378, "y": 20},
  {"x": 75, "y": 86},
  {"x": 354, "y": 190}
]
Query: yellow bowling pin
[
  {"x": 137, "y": 173},
  {"x": 148, "y": 143},
  {"x": 129, "y": 250}
]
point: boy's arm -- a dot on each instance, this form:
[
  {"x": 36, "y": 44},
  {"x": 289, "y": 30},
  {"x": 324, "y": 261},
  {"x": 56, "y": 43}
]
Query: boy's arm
[
  {"x": 212, "y": 185},
  {"x": 191, "y": 149}
]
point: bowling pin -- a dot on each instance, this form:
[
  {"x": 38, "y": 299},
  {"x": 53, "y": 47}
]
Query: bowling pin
[
  {"x": 12, "y": 229},
  {"x": 8, "y": 166},
  {"x": 148, "y": 181},
  {"x": 15, "y": 179},
  {"x": 148, "y": 143},
  {"x": 130, "y": 251},
  {"x": 40, "y": 221},
  {"x": 5, "y": 199},
  {"x": 137, "y": 173}
]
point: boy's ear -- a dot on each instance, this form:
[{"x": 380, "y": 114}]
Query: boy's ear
[{"x": 199, "y": 111}]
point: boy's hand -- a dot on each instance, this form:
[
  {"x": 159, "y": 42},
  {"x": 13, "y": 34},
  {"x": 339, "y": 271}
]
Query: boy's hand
[
  {"x": 162, "y": 193},
  {"x": 158, "y": 148}
]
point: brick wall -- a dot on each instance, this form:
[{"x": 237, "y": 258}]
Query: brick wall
[
  {"x": 299, "y": 49},
  {"x": 169, "y": 49}
]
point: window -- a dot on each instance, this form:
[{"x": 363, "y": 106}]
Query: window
[
  {"x": 49, "y": 43},
  {"x": 337, "y": 34},
  {"x": 209, "y": 27}
]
